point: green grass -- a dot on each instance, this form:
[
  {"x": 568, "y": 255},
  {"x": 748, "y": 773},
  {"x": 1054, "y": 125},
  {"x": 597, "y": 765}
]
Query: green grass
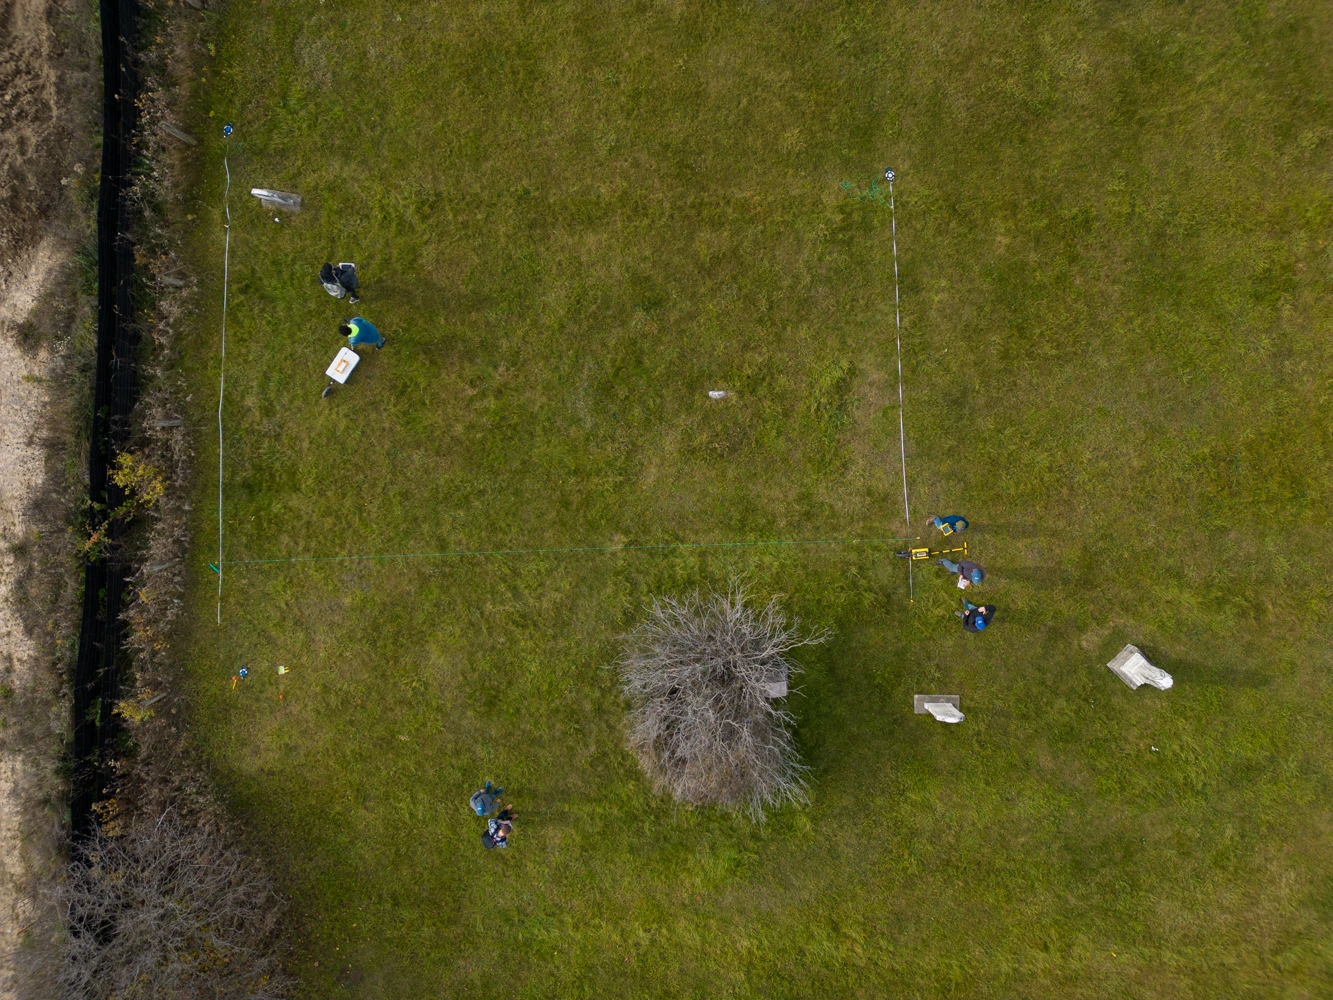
[{"x": 573, "y": 220}]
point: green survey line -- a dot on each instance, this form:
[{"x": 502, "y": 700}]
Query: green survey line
[{"x": 574, "y": 548}]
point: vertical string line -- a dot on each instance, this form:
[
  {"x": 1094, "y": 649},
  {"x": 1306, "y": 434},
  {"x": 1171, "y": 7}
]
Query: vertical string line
[
  {"x": 898, "y": 324},
  {"x": 222, "y": 367}
]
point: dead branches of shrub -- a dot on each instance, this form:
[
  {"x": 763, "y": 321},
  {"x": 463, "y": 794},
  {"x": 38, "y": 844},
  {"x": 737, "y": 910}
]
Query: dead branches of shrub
[
  {"x": 703, "y": 675},
  {"x": 166, "y": 911}
]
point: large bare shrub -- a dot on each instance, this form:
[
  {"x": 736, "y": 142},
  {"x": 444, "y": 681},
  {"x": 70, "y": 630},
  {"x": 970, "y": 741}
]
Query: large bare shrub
[
  {"x": 164, "y": 911},
  {"x": 703, "y": 675}
]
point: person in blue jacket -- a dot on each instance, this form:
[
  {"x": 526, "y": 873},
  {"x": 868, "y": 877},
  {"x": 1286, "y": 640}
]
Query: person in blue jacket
[
  {"x": 361, "y": 331},
  {"x": 951, "y": 524}
]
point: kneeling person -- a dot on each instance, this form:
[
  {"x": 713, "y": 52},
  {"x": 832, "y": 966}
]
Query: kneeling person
[
  {"x": 499, "y": 828},
  {"x": 950, "y": 524},
  {"x": 975, "y": 619},
  {"x": 969, "y": 573}
]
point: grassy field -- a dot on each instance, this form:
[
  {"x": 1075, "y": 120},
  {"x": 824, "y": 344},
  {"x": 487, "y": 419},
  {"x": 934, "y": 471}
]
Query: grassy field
[{"x": 571, "y": 221}]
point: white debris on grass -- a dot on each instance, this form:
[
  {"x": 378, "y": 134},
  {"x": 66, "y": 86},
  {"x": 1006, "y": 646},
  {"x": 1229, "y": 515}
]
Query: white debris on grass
[
  {"x": 717, "y": 393},
  {"x": 284, "y": 200},
  {"x": 1132, "y": 667}
]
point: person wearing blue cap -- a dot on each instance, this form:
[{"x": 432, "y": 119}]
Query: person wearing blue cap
[
  {"x": 950, "y": 524},
  {"x": 969, "y": 573},
  {"x": 975, "y": 619}
]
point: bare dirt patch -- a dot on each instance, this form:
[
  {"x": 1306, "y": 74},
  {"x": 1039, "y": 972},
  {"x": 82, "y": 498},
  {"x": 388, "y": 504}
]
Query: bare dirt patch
[
  {"x": 47, "y": 95},
  {"x": 29, "y": 114}
]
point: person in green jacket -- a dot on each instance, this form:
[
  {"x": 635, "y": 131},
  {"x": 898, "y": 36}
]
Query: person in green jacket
[{"x": 361, "y": 331}]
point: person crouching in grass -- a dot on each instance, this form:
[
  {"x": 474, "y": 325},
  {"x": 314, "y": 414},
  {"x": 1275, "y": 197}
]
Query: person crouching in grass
[
  {"x": 969, "y": 573},
  {"x": 499, "y": 828}
]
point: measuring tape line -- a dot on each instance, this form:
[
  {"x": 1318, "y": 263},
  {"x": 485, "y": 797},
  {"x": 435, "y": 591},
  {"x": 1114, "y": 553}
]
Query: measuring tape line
[{"x": 567, "y": 549}]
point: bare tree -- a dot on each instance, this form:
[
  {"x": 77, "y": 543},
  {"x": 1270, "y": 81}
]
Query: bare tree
[
  {"x": 704, "y": 675},
  {"x": 163, "y": 911}
]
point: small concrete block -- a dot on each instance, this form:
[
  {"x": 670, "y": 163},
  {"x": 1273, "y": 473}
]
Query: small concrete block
[
  {"x": 1132, "y": 667},
  {"x": 776, "y": 689},
  {"x": 920, "y": 701}
]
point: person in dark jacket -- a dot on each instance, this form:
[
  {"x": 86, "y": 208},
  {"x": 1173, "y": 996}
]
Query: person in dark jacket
[
  {"x": 339, "y": 281},
  {"x": 969, "y": 573},
  {"x": 498, "y": 828},
  {"x": 975, "y": 619}
]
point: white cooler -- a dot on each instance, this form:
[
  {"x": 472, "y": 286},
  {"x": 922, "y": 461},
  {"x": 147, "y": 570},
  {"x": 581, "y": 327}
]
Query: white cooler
[{"x": 342, "y": 365}]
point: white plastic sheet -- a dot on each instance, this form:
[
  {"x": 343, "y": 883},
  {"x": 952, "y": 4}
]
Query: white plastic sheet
[{"x": 1132, "y": 667}]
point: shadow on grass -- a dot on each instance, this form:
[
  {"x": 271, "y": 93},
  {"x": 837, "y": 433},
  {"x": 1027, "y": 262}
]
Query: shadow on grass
[
  {"x": 1211, "y": 674},
  {"x": 1008, "y": 529},
  {"x": 1183, "y": 670},
  {"x": 1044, "y": 576}
]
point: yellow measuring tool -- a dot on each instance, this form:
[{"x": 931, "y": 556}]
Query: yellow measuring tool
[{"x": 926, "y": 552}]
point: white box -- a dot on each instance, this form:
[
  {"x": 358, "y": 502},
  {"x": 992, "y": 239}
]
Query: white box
[{"x": 343, "y": 363}]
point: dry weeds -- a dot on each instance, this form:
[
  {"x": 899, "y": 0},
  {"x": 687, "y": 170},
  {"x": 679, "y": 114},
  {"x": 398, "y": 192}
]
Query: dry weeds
[{"x": 701, "y": 674}]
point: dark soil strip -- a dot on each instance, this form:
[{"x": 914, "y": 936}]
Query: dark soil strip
[{"x": 97, "y": 671}]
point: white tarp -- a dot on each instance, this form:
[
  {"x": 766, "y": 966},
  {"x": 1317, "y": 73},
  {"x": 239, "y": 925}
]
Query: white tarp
[
  {"x": 284, "y": 200},
  {"x": 1132, "y": 667},
  {"x": 944, "y": 712}
]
